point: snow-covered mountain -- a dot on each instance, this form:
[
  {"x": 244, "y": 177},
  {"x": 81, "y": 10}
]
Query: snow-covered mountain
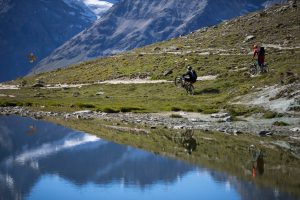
[
  {"x": 37, "y": 26},
  {"x": 134, "y": 23},
  {"x": 99, "y": 7}
]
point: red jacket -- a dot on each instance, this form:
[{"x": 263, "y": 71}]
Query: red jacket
[{"x": 260, "y": 58}]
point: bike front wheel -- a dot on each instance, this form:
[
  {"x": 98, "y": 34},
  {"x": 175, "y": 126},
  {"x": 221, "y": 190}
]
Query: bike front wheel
[
  {"x": 253, "y": 70},
  {"x": 178, "y": 81}
]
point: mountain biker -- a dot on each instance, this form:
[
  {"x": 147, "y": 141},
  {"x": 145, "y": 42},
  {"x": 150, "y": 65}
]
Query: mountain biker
[
  {"x": 190, "y": 76},
  {"x": 260, "y": 53}
]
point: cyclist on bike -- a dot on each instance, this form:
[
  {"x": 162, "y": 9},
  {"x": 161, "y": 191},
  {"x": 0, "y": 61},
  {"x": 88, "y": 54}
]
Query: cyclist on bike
[
  {"x": 260, "y": 53},
  {"x": 190, "y": 76}
]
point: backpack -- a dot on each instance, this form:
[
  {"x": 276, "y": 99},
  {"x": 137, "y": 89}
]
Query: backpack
[
  {"x": 194, "y": 75},
  {"x": 261, "y": 52}
]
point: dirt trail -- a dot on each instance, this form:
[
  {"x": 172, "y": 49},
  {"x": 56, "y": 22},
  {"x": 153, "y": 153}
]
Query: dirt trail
[{"x": 114, "y": 81}]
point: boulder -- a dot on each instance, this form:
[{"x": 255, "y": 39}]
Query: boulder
[
  {"x": 265, "y": 133},
  {"x": 82, "y": 112},
  {"x": 296, "y": 129},
  {"x": 219, "y": 115},
  {"x": 248, "y": 38},
  {"x": 37, "y": 85}
]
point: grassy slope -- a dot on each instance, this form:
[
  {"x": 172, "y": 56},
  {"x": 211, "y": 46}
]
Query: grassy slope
[{"x": 277, "y": 25}]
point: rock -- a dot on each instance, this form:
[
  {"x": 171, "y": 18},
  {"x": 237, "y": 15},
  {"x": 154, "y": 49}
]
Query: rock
[
  {"x": 36, "y": 85},
  {"x": 39, "y": 95},
  {"x": 82, "y": 112},
  {"x": 236, "y": 132},
  {"x": 248, "y": 38},
  {"x": 219, "y": 115},
  {"x": 99, "y": 93},
  {"x": 227, "y": 119},
  {"x": 167, "y": 72},
  {"x": 178, "y": 127},
  {"x": 194, "y": 120},
  {"x": 67, "y": 116},
  {"x": 265, "y": 133},
  {"x": 282, "y": 144},
  {"x": 76, "y": 94},
  {"x": 222, "y": 129},
  {"x": 156, "y": 49},
  {"x": 296, "y": 129}
]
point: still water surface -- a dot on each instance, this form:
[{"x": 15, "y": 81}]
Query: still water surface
[{"x": 41, "y": 160}]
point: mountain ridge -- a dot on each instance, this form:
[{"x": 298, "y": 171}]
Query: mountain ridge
[
  {"x": 133, "y": 24},
  {"x": 37, "y": 27}
]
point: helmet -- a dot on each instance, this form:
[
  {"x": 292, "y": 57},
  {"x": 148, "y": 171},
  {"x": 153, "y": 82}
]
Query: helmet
[
  {"x": 255, "y": 46},
  {"x": 189, "y": 68}
]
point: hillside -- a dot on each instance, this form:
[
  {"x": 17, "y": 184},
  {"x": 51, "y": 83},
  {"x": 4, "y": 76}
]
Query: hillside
[
  {"x": 135, "y": 23},
  {"x": 222, "y": 49},
  {"x": 219, "y": 50}
]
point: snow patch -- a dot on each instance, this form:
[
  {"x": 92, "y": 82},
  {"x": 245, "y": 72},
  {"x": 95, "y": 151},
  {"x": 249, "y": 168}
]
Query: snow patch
[
  {"x": 97, "y": 6},
  {"x": 9, "y": 87}
]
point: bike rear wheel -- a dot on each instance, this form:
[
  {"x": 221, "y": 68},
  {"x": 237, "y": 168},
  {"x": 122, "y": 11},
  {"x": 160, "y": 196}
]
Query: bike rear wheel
[
  {"x": 190, "y": 89},
  {"x": 265, "y": 69}
]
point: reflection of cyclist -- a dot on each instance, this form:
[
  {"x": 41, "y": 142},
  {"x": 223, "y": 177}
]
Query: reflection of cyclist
[
  {"x": 190, "y": 75},
  {"x": 257, "y": 161}
]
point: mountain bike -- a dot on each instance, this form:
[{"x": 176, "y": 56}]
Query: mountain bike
[
  {"x": 188, "y": 86},
  {"x": 255, "y": 69}
]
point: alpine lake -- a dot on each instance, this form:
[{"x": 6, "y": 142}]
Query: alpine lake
[{"x": 43, "y": 160}]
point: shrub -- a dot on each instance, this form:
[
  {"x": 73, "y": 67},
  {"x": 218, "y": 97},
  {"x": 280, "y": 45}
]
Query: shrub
[
  {"x": 110, "y": 110},
  {"x": 29, "y": 104},
  {"x": 270, "y": 115},
  {"x": 280, "y": 123},
  {"x": 85, "y": 105},
  {"x": 175, "y": 109},
  {"x": 210, "y": 91},
  {"x": 175, "y": 116},
  {"x": 7, "y": 104},
  {"x": 129, "y": 109}
]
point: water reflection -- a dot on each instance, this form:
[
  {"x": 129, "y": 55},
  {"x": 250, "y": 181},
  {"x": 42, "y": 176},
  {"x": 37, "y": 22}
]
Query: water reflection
[
  {"x": 58, "y": 163},
  {"x": 32, "y": 130},
  {"x": 257, "y": 161}
]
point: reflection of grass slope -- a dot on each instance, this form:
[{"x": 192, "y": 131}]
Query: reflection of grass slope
[{"x": 218, "y": 151}]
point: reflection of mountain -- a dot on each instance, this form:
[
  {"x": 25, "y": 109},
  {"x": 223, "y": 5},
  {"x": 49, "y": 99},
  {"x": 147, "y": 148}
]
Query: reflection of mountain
[
  {"x": 77, "y": 158},
  {"x": 83, "y": 159}
]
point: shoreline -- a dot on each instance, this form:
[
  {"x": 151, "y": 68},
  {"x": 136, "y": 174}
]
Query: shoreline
[{"x": 218, "y": 122}]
